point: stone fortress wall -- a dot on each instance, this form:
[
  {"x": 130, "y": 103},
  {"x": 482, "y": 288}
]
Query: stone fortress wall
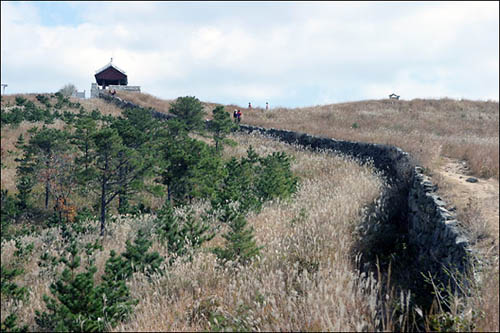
[
  {"x": 408, "y": 205},
  {"x": 95, "y": 91}
]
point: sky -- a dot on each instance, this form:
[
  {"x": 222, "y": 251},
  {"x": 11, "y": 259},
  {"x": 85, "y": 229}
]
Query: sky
[{"x": 290, "y": 54}]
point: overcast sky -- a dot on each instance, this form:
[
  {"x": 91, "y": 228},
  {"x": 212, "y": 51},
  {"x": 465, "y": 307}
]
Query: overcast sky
[{"x": 287, "y": 53}]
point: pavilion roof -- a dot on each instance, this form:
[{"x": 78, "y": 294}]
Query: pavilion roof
[{"x": 110, "y": 64}]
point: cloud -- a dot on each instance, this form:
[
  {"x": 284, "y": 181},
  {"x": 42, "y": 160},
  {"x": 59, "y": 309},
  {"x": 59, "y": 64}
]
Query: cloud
[{"x": 297, "y": 53}]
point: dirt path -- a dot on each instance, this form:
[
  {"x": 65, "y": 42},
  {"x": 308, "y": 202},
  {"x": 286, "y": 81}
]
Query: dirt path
[{"x": 456, "y": 190}]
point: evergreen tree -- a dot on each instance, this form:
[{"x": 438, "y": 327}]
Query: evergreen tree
[
  {"x": 191, "y": 169},
  {"x": 236, "y": 194},
  {"x": 189, "y": 112},
  {"x": 106, "y": 179},
  {"x": 25, "y": 175},
  {"x": 275, "y": 177},
  {"x": 179, "y": 233},
  {"x": 139, "y": 259},
  {"x": 240, "y": 244},
  {"x": 84, "y": 129},
  {"x": 9, "y": 213},
  {"x": 118, "y": 304},
  {"x": 168, "y": 230},
  {"x": 195, "y": 232},
  {"x": 44, "y": 146},
  {"x": 79, "y": 304},
  {"x": 221, "y": 126},
  {"x": 138, "y": 131},
  {"x": 10, "y": 324}
]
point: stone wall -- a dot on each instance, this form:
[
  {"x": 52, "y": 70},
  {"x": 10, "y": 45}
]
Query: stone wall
[
  {"x": 125, "y": 88},
  {"x": 434, "y": 230},
  {"x": 408, "y": 205},
  {"x": 123, "y": 104},
  {"x": 79, "y": 94}
]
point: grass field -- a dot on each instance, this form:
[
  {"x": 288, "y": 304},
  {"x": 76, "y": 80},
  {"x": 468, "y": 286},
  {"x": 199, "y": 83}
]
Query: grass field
[{"x": 305, "y": 279}]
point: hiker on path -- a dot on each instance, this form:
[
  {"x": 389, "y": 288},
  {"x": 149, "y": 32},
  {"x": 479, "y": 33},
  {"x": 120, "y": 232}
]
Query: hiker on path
[
  {"x": 235, "y": 115},
  {"x": 249, "y": 105},
  {"x": 238, "y": 115},
  {"x": 267, "y": 106}
]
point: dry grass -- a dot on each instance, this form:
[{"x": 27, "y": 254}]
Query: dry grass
[
  {"x": 277, "y": 292},
  {"x": 426, "y": 129},
  {"x": 271, "y": 294},
  {"x": 146, "y": 100}
]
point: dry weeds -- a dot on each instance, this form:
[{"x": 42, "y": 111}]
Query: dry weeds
[
  {"x": 427, "y": 129},
  {"x": 304, "y": 279}
]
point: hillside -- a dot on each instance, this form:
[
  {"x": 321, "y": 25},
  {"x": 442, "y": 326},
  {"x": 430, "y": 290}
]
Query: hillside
[
  {"x": 428, "y": 129},
  {"x": 305, "y": 277},
  {"x": 452, "y": 139}
]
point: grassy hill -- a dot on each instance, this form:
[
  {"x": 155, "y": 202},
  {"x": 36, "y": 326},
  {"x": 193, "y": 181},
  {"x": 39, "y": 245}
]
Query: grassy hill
[
  {"x": 428, "y": 129},
  {"x": 305, "y": 278}
]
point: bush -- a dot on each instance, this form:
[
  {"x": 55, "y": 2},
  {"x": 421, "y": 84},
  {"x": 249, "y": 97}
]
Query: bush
[{"x": 20, "y": 100}]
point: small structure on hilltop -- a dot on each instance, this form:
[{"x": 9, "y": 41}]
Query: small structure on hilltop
[
  {"x": 393, "y": 96},
  {"x": 78, "y": 94},
  {"x": 111, "y": 77}
]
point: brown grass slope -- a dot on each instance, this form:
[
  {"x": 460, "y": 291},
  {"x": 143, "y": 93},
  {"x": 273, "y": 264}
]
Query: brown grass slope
[
  {"x": 433, "y": 131},
  {"x": 440, "y": 134}
]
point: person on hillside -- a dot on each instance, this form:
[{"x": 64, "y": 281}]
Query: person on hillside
[
  {"x": 249, "y": 105},
  {"x": 235, "y": 115},
  {"x": 267, "y": 106},
  {"x": 238, "y": 114}
]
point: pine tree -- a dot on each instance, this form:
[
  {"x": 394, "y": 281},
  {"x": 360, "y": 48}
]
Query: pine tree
[
  {"x": 25, "y": 175},
  {"x": 189, "y": 112},
  {"x": 138, "y": 257},
  {"x": 138, "y": 131},
  {"x": 179, "y": 233},
  {"x": 115, "y": 169},
  {"x": 275, "y": 177},
  {"x": 118, "y": 304},
  {"x": 105, "y": 168},
  {"x": 191, "y": 169},
  {"x": 168, "y": 230},
  {"x": 84, "y": 128},
  {"x": 195, "y": 232},
  {"x": 240, "y": 245},
  {"x": 236, "y": 194},
  {"x": 45, "y": 145},
  {"x": 221, "y": 126},
  {"x": 79, "y": 304}
]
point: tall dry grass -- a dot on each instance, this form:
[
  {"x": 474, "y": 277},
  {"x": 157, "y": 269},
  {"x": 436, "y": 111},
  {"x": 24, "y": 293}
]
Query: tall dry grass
[
  {"x": 304, "y": 279},
  {"x": 427, "y": 129}
]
